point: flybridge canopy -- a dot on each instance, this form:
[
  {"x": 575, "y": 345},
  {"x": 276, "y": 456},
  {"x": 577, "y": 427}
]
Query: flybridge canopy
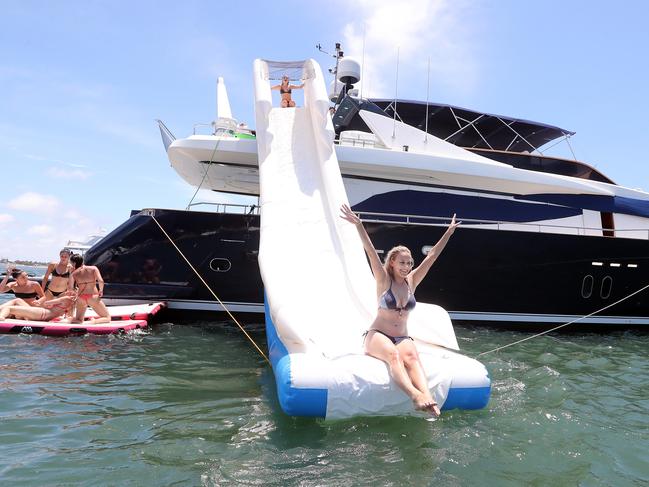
[{"x": 463, "y": 127}]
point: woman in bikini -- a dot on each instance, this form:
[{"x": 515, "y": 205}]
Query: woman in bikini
[
  {"x": 60, "y": 276},
  {"x": 49, "y": 309},
  {"x": 27, "y": 292},
  {"x": 387, "y": 338},
  {"x": 90, "y": 290},
  {"x": 285, "y": 90}
]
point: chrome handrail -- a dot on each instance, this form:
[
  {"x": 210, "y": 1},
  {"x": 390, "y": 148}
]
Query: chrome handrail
[
  {"x": 426, "y": 220},
  {"x": 203, "y": 125},
  {"x": 224, "y": 207}
]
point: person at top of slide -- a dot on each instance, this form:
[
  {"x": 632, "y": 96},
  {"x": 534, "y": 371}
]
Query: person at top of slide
[
  {"x": 387, "y": 338},
  {"x": 60, "y": 273},
  {"x": 90, "y": 290},
  {"x": 285, "y": 90}
]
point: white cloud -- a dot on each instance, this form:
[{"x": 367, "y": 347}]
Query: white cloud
[
  {"x": 34, "y": 202},
  {"x": 60, "y": 173},
  {"x": 419, "y": 29},
  {"x": 40, "y": 230}
]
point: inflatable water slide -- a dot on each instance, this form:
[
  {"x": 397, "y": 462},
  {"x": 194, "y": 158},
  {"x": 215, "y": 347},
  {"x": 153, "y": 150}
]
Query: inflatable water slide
[{"x": 320, "y": 292}]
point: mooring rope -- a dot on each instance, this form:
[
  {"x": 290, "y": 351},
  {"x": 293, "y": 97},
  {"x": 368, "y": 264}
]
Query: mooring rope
[
  {"x": 565, "y": 324},
  {"x": 210, "y": 290}
]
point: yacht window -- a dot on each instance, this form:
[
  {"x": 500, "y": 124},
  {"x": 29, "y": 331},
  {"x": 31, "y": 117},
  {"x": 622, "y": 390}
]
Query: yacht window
[
  {"x": 220, "y": 265},
  {"x": 607, "y": 287},
  {"x": 587, "y": 286}
]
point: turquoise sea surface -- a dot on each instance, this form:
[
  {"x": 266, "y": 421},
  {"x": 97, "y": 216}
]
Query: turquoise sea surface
[{"x": 194, "y": 404}]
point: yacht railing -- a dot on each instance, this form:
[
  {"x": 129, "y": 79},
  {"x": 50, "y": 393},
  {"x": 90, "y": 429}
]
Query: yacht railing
[
  {"x": 442, "y": 221},
  {"x": 230, "y": 207},
  {"x": 401, "y": 219},
  {"x": 357, "y": 142},
  {"x": 210, "y": 125}
]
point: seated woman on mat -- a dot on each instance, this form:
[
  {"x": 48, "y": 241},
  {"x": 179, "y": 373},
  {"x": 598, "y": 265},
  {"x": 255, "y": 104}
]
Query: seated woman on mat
[
  {"x": 285, "y": 92},
  {"x": 387, "y": 338},
  {"x": 49, "y": 309},
  {"x": 26, "y": 291},
  {"x": 90, "y": 290},
  {"x": 60, "y": 276}
]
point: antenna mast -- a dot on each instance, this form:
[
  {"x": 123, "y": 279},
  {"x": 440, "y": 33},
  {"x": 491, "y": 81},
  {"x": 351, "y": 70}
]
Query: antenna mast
[
  {"x": 427, "y": 90},
  {"x": 394, "y": 108}
]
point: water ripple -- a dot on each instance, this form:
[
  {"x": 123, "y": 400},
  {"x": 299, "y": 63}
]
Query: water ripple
[{"x": 196, "y": 405}]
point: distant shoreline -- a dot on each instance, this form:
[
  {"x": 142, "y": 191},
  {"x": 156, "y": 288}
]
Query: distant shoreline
[{"x": 31, "y": 263}]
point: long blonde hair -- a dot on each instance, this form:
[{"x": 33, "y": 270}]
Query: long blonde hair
[{"x": 392, "y": 253}]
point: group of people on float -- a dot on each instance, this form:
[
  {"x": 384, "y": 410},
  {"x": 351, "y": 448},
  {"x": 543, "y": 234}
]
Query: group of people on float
[{"x": 72, "y": 288}]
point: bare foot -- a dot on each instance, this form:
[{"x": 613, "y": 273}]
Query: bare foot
[
  {"x": 434, "y": 408},
  {"x": 425, "y": 402}
]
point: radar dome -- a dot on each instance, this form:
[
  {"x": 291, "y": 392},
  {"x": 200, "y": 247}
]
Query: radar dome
[
  {"x": 334, "y": 89},
  {"x": 349, "y": 71}
]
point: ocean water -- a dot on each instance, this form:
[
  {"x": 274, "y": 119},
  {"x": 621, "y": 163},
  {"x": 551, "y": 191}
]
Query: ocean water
[{"x": 194, "y": 404}]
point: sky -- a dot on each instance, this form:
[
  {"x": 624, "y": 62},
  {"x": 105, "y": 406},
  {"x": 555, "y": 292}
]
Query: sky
[{"x": 82, "y": 83}]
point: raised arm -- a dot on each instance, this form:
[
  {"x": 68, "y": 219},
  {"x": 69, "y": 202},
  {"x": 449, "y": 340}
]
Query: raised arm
[
  {"x": 3, "y": 285},
  {"x": 420, "y": 272},
  {"x": 375, "y": 262},
  {"x": 276, "y": 87},
  {"x": 296, "y": 87}
]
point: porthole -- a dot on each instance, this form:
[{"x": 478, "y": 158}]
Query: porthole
[
  {"x": 220, "y": 265},
  {"x": 607, "y": 287},
  {"x": 587, "y": 286}
]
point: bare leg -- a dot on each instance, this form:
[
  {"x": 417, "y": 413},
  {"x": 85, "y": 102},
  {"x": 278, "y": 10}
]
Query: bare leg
[
  {"x": 379, "y": 346},
  {"x": 416, "y": 372},
  {"x": 100, "y": 308},
  {"x": 14, "y": 302},
  {"x": 79, "y": 311},
  {"x": 291, "y": 103},
  {"x": 26, "y": 313},
  {"x": 284, "y": 103}
]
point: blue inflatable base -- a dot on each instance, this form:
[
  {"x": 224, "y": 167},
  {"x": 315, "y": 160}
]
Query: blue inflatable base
[{"x": 313, "y": 402}]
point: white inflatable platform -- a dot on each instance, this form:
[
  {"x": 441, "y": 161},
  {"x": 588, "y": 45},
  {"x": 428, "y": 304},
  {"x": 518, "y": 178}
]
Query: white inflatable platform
[{"x": 320, "y": 293}]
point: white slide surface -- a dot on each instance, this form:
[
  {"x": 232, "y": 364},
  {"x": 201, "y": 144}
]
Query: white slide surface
[{"x": 318, "y": 284}]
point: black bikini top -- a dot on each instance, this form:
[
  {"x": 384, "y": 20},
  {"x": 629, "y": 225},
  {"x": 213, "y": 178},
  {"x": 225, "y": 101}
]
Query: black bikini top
[
  {"x": 56, "y": 274},
  {"x": 26, "y": 295},
  {"x": 282, "y": 90}
]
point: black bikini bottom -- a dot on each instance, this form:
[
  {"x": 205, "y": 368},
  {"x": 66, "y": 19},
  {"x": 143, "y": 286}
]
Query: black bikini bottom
[{"x": 395, "y": 340}]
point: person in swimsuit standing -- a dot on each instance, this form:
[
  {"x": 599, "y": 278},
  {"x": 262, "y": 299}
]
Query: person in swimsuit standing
[
  {"x": 47, "y": 311},
  {"x": 285, "y": 90},
  {"x": 90, "y": 290},
  {"x": 387, "y": 338},
  {"x": 60, "y": 276},
  {"x": 26, "y": 291}
]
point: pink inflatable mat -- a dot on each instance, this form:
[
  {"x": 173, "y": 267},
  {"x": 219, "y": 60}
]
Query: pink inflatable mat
[{"x": 53, "y": 328}]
